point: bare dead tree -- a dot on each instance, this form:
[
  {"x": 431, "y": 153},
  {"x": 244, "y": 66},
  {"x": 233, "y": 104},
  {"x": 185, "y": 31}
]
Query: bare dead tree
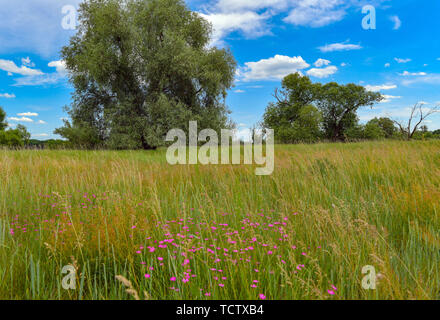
[
  {"x": 417, "y": 117},
  {"x": 281, "y": 96}
]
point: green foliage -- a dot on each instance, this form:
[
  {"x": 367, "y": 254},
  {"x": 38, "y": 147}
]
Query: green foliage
[
  {"x": 11, "y": 138},
  {"x": 17, "y": 137},
  {"x": 82, "y": 134},
  {"x": 3, "y": 123},
  {"x": 304, "y": 108},
  {"x": 22, "y": 132},
  {"x": 387, "y": 126},
  {"x": 339, "y": 104},
  {"x": 293, "y": 117},
  {"x": 147, "y": 71},
  {"x": 373, "y": 131},
  {"x": 355, "y": 133}
]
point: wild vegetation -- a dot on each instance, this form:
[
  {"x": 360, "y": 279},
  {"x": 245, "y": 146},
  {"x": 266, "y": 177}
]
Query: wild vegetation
[
  {"x": 312, "y": 112},
  {"x": 138, "y": 77},
  {"x": 220, "y": 232},
  {"x": 134, "y": 227}
]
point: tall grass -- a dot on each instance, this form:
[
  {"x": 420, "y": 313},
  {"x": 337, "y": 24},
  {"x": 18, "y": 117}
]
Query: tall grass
[{"x": 326, "y": 212}]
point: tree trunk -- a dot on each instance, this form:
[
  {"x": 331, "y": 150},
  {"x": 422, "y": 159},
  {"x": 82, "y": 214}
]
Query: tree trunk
[{"x": 145, "y": 144}]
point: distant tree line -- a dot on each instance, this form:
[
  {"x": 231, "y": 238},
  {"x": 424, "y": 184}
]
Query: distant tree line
[
  {"x": 21, "y": 138},
  {"x": 9, "y": 137},
  {"x": 306, "y": 112}
]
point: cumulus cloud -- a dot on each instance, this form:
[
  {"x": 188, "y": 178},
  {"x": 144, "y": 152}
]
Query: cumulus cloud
[
  {"x": 323, "y": 72},
  {"x": 40, "y": 135},
  {"x": 399, "y": 60},
  {"x": 11, "y": 68},
  {"x": 428, "y": 79},
  {"x": 339, "y": 47},
  {"x": 41, "y": 122},
  {"x": 27, "y": 114},
  {"x": 316, "y": 13},
  {"x": 253, "y": 17},
  {"x": 27, "y": 62},
  {"x": 321, "y": 62},
  {"x": 388, "y": 98},
  {"x": 7, "y": 95},
  {"x": 251, "y": 24},
  {"x": 406, "y": 74},
  {"x": 22, "y": 119},
  {"x": 381, "y": 87},
  {"x": 60, "y": 66},
  {"x": 33, "y": 26},
  {"x": 275, "y": 68},
  {"x": 45, "y": 79}
]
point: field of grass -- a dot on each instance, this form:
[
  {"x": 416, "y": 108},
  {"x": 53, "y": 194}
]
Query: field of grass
[{"x": 221, "y": 232}]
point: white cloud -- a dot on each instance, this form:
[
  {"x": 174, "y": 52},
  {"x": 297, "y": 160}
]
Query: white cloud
[
  {"x": 406, "y": 74},
  {"x": 399, "y": 60},
  {"x": 381, "y": 87},
  {"x": 388, "y": 98},
  {"x": 34, "y": 77},
  {"x": 428, "y": 79},
  {"x": 60, "y": 66},
  {"x": 11, "y": 67},
  {"x": 40, "y": 135},
  {"x": 45, "y": 79},
  {"x": 316, "y": 13},
  {"x": 41, "y": 122},
  {"x": 396, "y": 21},
  {"x": 239, "y": 91},
  {"x": 321, "y": 62},
  {"x": 339, "y": 47},
  {"x": 387, "y": 65},
  {"x": 33, "y": 26},
  {"x": 27, "y": 62},
  {"x": 22, "y": 119},
  {"x": 7, "y": 95},
  {"x": 275, "y": 68},
  {"x": 251, "y": 24},
  {"x": 254, "y": 18},
  {"x": 28, "y": 114},
  {"x": 323, "y": 72}
]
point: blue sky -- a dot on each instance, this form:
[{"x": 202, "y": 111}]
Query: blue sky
[{"x": 324, "y": 39}]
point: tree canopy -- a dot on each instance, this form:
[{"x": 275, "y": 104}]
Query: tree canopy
[
  {"x": 140, "y": 68},
  {"x": 306, "y": 111},
  {"x": 339, "y": 104},
  {"x": 292, "y": 116},
  {"x": 3, "y": 123},
  {"x": 17, "y": 137}
]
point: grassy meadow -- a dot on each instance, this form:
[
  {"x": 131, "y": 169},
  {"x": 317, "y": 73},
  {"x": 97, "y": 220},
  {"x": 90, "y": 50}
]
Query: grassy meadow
[{"x": 221, "y": 232}]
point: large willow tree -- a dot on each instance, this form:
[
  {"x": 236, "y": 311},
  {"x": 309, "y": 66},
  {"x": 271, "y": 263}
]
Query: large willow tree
[{"x": 140, "y": 68}]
